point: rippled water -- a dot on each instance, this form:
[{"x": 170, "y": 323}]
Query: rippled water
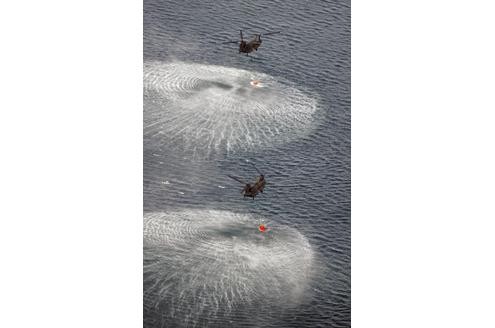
[{"x": 205, "y": 262}]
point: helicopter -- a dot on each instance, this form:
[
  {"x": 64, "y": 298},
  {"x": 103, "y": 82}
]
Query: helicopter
[
  {"x": 251, "y": 190},
  {"x": 253, "y": 44}
]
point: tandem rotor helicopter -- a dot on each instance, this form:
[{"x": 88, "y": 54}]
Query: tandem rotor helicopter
[
  {"x": 251, "y": 190},
  {"x": 251, "y": 45}
]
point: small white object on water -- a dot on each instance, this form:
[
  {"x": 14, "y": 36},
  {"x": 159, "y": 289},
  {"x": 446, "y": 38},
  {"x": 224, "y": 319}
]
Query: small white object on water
[{"x": 256, "y": 83}]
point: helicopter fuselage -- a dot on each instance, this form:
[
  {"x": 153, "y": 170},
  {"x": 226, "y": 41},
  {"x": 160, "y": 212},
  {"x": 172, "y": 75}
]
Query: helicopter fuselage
[
  {"x": 251, "y": 45},
  {"x": 248, "y": 47},
  {"x": 252, "y": 191}
]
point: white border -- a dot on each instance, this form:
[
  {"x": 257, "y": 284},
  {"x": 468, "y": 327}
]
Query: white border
[
  {"x": 71, "y": 164},
  {"x": 423, "y": 164}
]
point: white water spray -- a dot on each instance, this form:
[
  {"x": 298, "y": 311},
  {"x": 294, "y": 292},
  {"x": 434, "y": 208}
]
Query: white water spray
[
  {"x": 204, "y": 264},
  {"x": 208, "y": 108}
]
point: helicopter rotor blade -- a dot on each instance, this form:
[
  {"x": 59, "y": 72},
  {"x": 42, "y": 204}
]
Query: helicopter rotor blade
[
  {"x": 255, "y": 168},
  {"x": 236, "y": 179},
  {"x": 270, "y": 33}
]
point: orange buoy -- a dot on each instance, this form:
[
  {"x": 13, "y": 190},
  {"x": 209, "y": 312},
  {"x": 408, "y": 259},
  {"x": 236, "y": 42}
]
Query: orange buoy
[{"x": 262, "y": 228}]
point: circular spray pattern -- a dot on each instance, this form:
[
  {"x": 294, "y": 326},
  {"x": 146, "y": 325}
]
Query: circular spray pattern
[
  {"x": 209, "y": 108},
  {"x": 201, "y": 264}
]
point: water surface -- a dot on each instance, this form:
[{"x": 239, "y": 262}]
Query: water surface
[{"x": 205, "y": 262}]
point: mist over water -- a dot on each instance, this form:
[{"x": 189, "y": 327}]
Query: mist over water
[
  {"x": 224, "y": 263},
  {"x": 205, "y": 262},
  {"x": 209, "y": 108}
]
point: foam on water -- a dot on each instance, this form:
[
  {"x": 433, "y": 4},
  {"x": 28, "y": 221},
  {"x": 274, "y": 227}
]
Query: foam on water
[
  {"x": 208, "y": 108},
  {"x": 210, "y": 264}
]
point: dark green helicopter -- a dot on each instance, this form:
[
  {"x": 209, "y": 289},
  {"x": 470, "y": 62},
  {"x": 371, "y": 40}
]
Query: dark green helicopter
[
  {"x": 251, "y": 45},
  {"x": 251, "y": 190}
]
